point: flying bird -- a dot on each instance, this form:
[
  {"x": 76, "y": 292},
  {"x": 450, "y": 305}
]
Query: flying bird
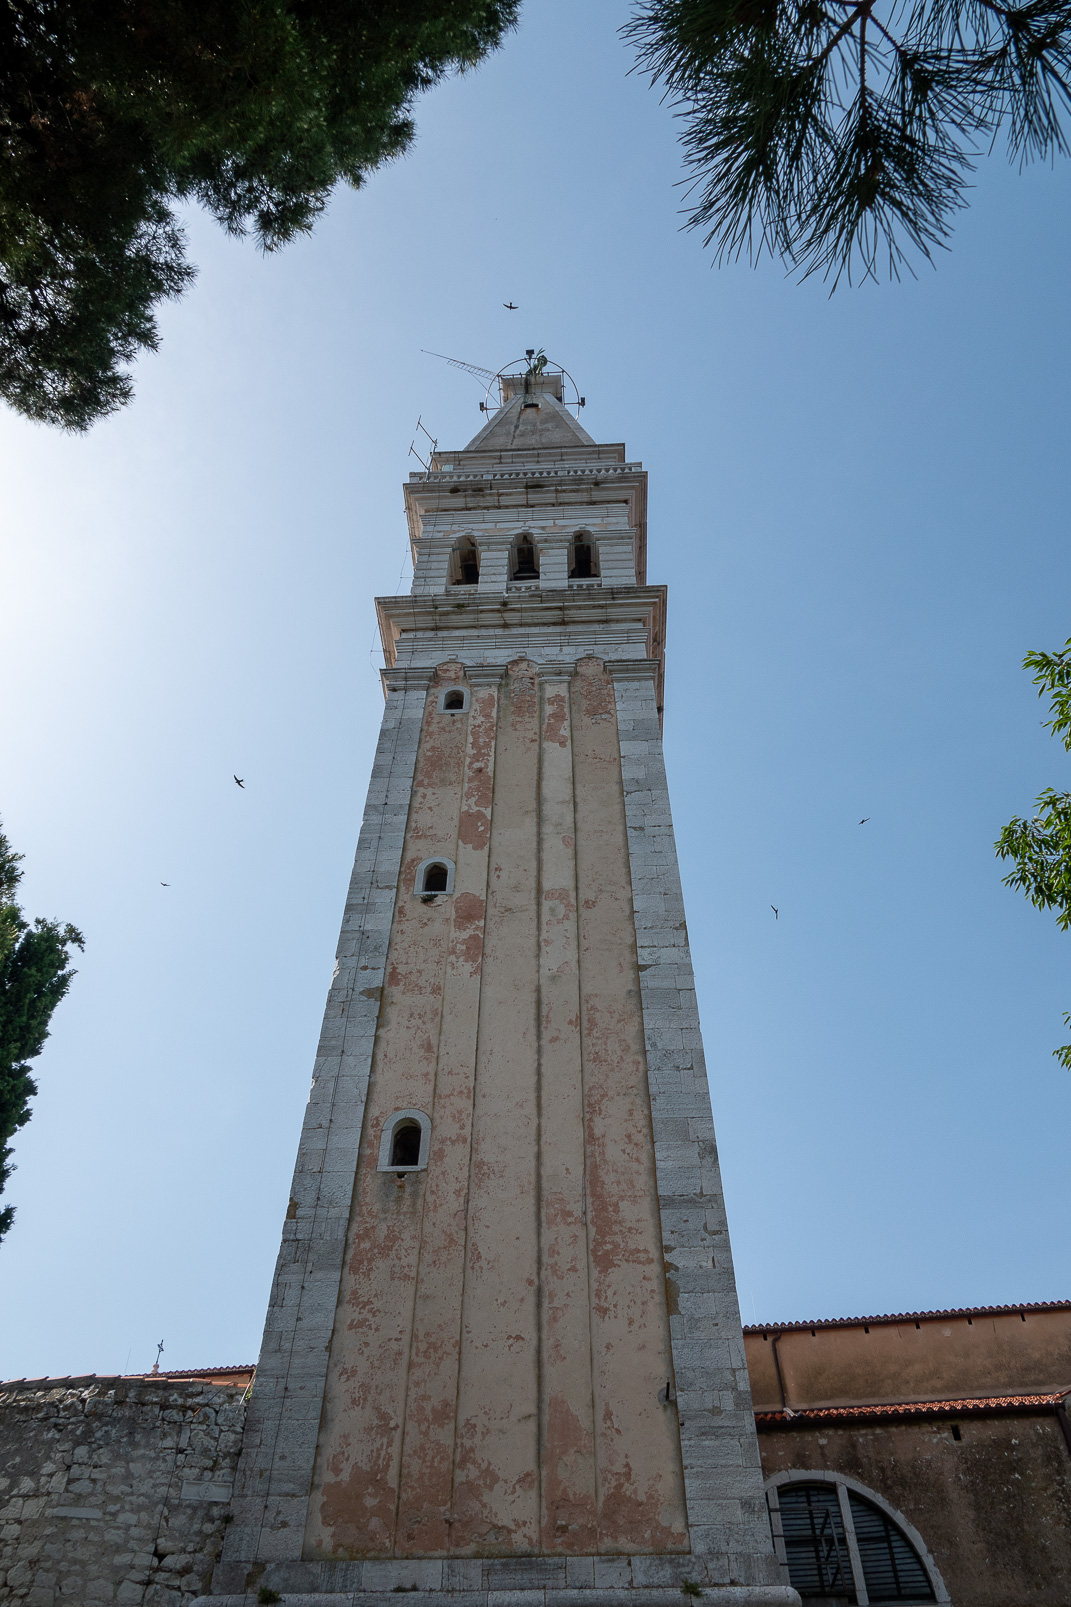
[
  {"x": 165, "y": 884},
  {"x": 240, "y": 783},
  {"x": 775, "y": 911},
  {"x": 511, "y": 306},
  {"x": 864, "y": 820}
]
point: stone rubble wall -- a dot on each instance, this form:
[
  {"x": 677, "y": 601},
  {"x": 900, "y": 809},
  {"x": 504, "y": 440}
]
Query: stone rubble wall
[{"x": 114, "y": 1490}]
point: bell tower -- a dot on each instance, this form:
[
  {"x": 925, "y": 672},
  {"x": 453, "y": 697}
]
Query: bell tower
[{"x": 503, "y": 1350}]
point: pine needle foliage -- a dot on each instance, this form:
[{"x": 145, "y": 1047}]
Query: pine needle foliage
[
  {"x": 35, "y": 973},
  {"x": 112, "y": 113},
  {"x": 840, "y": 134},
  {"x": 1040, "y": 848}
]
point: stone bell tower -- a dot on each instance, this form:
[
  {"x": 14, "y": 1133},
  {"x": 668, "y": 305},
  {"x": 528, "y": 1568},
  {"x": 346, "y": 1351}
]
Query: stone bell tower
[{"x": 503, "y": 1351}]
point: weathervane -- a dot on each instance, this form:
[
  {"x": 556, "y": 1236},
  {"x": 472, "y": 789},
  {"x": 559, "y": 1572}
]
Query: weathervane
[{"x": 534, "y": 363}]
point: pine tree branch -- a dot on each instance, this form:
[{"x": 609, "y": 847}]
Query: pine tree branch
[{"x": 824, "y": 132}]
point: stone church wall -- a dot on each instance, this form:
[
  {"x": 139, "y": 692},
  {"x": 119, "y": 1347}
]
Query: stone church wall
[
  {"x": 114, "y": 1490},
  {"x": 991, "y": 1505}
]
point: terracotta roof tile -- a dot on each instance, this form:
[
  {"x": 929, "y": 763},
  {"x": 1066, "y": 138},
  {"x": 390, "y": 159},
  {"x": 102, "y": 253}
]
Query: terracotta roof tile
[
  {"x": 976, "y": 1406},
  {"x": 244, "y": 1371},
  {"x": 907, "y": 1316}
]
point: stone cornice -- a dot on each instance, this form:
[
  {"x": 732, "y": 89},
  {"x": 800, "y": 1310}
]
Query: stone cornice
[
  {"x": 634, "y": 669},
  {"x": 484, "y": 674},
  {"x": 404, "y": 679},
  {"x": 525, "y": 611},
  {"x": 541, "y": 471},
  {"x": 407, "y": 679}
]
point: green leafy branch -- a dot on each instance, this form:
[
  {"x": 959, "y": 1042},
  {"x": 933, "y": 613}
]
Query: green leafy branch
[
  {"x": 35, "y": 973},
  {"x": 1040, "y": 848}
]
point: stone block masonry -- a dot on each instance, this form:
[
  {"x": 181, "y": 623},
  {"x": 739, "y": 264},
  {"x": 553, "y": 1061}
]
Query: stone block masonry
[{"x": 114, "y": 1490}]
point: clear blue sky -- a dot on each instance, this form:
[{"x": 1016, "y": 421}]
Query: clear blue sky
[{"x": 860, "y": 506}]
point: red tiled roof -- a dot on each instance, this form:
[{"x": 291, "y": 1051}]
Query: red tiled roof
[
  {"x": 976, "y": 1406},
  {"x": 907, "y": 1316},
  {"x": 197, "y": 1372},
  {"x": 243, "y": 1371}
]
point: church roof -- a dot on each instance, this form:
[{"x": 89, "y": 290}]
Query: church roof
[
  {"x": 906, "y": 1316},
  {"x": 241, "y": 1374},
  {"x": 971, "y": 1406}
]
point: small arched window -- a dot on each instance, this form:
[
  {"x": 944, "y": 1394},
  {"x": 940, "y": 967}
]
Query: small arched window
[
  {"x": 525, "y": 564},
  {"x": 841, "y": 1540},
  {"x": 455, "y": 700},
  {"x": 404, "y": 1142},
  {"x": 434, "y": 876},
  {"x": 465, "y": 563},
  {"x": 583, "y": 560}
]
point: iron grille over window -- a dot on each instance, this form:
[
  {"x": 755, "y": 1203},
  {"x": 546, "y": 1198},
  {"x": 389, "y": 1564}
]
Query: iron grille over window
[
  {"x": 819, "y": 1544},
  {"x": 811, "y": 1523},
  {"x": 890, "y": 1567}
]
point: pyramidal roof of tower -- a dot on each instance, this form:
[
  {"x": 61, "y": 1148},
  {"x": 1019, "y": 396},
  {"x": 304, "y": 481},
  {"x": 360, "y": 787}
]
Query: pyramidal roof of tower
[{"x": 530, "y": 420}]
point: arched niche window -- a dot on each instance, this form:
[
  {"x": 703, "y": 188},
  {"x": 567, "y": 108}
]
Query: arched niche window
[
  {"x": 434, "y": 876},
  {"x": 524, "y": 561},
  {"x": 404, "y": 1142},
  {"x": 843, "y": 1541},
  {"x": 455, "y": 700},
  {"x": 583, "y": 557},
  {"x": 465, "y": 563}
]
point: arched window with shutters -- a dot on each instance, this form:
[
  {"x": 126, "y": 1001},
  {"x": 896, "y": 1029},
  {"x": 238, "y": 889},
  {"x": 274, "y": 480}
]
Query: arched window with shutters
[{"x": 844, "y": 1542}]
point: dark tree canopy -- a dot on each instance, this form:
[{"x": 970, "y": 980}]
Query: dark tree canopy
[
  {"x": 839, "y": 134},
  {"x": 114, "y": 110},
  {"x": 1040, "y": 847},
  {"x": 35, "y": 973}
]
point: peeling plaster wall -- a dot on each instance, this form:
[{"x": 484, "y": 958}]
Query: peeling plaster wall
[
  {"x": 114, "y": 1490},
  {"x": 497, "y": 1375}
]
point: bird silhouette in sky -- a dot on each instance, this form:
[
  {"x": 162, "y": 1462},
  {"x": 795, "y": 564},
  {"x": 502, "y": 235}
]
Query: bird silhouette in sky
[
  {"x": 240, "y": 783},
  {"x": 864, "y": 820},
  {"x": 511, "y": 306},
  {"x": 165, "y": 884},
  {"x": 776, "y": 912}
]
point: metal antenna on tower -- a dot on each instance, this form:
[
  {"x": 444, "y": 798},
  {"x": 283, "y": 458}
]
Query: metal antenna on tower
[
  {"x": 535, "y": 363},
  {"x": 159, "y": 1353},
  {"x": 412, "y": 445},
  {"x": 470, "y": 368}
]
